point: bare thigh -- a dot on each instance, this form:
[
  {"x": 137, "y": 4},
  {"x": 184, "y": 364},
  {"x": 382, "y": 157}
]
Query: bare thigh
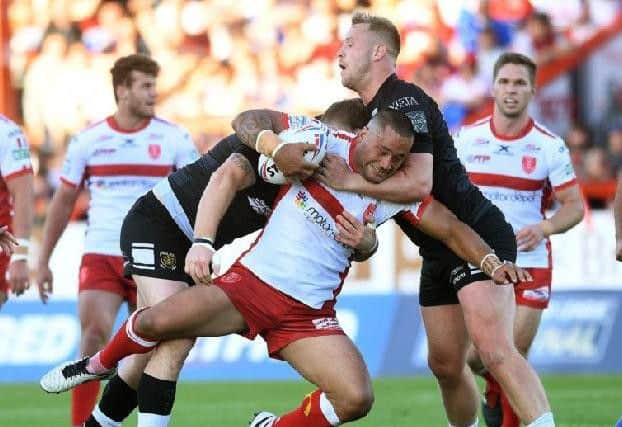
[
  {"x": 526, "y": 326},
  {"x": 447, "y": 336}
]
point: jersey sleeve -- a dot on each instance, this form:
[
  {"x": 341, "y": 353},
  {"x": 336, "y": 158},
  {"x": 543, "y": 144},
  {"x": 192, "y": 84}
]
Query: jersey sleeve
[
  {"x": 414, "y": 212},
  {"x": 561, "y": 173},
  {"x": 186, "y": 150},
  {"x": 15, "y": 153},
  {"x": 74, "y": 166}
]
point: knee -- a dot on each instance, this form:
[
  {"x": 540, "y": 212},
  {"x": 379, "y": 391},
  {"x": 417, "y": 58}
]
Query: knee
[
  {"x": 150, "y": 327},
  {"x": 494, "y": 354},
  {"x": 446, "y": 370},
  {"x": 172, "y": 354},
  {"x": 355, "y": 403},
  {"x": 95, "y": 330}
]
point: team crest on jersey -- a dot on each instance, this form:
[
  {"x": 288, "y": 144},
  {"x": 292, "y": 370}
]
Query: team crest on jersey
[
  {"x": 230, "y": 277},
  {"x": 529, "y": 164},
  {"x": 154, "y": 151},
  {"x": 168, "y": 260}
]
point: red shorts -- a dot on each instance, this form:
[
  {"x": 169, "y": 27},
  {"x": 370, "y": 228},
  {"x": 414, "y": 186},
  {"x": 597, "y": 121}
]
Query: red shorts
[
  {"x": 536, "y": 294},
  {"x": 4, "y": 267},
  {"x": 105, "y": 273},
  {"x": 278, "y": 318}
]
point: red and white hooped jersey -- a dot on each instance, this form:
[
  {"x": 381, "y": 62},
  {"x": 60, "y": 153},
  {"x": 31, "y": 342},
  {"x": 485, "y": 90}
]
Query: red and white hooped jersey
[
  {"x": 297, "y": 252},
  {"x": 14, "y": 162},
  {"x": 515, "y": 172},
  {"x": 118, "y": 166}
]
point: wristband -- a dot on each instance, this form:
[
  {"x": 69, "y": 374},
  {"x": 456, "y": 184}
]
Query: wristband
[
  {"x": 490, "y": 263},
  {"x": 264, "y": 144},
  {"x": 19, "y": 257},
  {"x": 276, "y": 149},
  {"x": 205, "y": 242}
]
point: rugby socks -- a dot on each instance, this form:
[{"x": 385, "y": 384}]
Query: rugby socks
[
  {"x": 117, "y": 403},
  {"x": 83, "y": 399},
  {"x": 155, "y": 401},
  {"x": 124, "y": 343},
  {"x": 544, "y": 420},
  {"x": 315, "y": 411},
  {"x": 510, "y": 419},
  {"x": 492, "y": 394}
]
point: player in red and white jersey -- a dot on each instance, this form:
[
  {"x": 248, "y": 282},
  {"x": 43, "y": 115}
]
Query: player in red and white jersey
[
  {"x": 310, "y": 236},
  {"x": 118, "y": 160},
  {"x": 16, "y": 206},
  {"x": 514, "y": 161}
]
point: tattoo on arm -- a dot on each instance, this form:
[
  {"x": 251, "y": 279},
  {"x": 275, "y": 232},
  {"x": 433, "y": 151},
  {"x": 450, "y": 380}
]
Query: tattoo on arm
[
  {"x": 245, "y": 166},
  {"x": 248, "y": 124}
]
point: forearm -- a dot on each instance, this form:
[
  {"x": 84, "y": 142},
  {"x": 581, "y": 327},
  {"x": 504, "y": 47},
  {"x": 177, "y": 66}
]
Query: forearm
[
  {"x": 248, "y": 124},
  {"x": 566, "y": 217},
  {"x": 412, "y": 183},
  {"x": 23, "y": 207},
  {"x": 58, "y": 216}
]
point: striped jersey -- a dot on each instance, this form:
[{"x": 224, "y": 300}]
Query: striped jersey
[
  {"x": 14, "y": 162},
  {"x": 515, "y": 173},
  {"x": 297, "y": 252},
  {"x": 118, "y": 166}
]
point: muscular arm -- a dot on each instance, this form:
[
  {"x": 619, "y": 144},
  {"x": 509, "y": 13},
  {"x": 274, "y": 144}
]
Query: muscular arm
[
  {"x": 58, "y": 215},
  {"x": 412, "y": 183},
  {"x": 248, "y": 124},
  {"x": 234, "y": 175},
  {"x": 21, "y": 189}
]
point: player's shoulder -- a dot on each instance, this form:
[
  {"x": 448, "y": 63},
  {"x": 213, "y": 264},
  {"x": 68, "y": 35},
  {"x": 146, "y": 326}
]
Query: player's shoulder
[
  {"x": 93, "y": 131},
  {"x": 8, "y": 128},
  {"x": 541, "y": 131},
  {"x": 167, "y": 125}
]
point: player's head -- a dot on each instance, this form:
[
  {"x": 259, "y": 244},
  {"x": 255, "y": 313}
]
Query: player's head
[
  {"x": 370, "y": 40},
  {"x": 134, "y": 84},
  {"x": 349, "y": 115},
  {"x": 514, "y": 79},
  {"x": 383, "y": 145}
]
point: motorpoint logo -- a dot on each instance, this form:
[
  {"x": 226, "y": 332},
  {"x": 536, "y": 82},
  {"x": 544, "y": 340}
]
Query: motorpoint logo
[
  {"x": 512, "y": 196},
  {"x": 313, "y": 215}
]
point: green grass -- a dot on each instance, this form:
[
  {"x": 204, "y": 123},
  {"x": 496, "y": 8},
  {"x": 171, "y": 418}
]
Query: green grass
[{"x": 578, "y": 401}]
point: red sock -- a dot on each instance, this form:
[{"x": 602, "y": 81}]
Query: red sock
[
  {"x": 125, "y": 342},
  {"x": 510, "y": 419},
  {"x": 313, "y": 412},
  {"x": 83, "y": 399},
  {"x": 492, "y": 392}
]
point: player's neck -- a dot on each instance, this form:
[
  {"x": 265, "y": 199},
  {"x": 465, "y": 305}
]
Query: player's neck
[
  {"x": 376, "y": 78},
  {"x": 510, "y": 127},
  {"x": 128, "y": 122}
]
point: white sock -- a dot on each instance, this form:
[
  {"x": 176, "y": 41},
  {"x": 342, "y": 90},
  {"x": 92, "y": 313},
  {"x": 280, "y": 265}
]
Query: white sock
[
  {"x": 473, "y": 424},
  {"x": 153, "y": 420},
  {"x": 103, "y": 420},
  {"x": 329, "y": 412},
  {"x": 544, "y": 420}
]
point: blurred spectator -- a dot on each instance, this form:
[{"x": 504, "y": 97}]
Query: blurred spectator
[
  {"x": 614, "y": 145},
  {"x": 578, "y": 141},
  {"x": 488, "y": 50},
  {"x": 597, "y": 176},
  {"x": 539, "y": 40}
]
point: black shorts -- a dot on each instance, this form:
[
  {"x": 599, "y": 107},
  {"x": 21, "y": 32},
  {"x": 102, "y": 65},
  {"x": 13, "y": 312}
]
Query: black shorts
[
  {"x": 152, "y": 244},
  {"x": 443, "y": 274}
]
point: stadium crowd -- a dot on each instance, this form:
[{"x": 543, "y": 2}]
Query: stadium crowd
[{"x": 222, "y": 57}]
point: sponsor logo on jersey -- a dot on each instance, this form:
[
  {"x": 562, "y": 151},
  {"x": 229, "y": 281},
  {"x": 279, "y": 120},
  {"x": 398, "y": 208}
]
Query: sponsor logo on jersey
[
  {"x": 529, "y": 164},
  {"x": 404, "y": 102},
  {"x": 260, "y": 206},
  {"x": 481, "y": 141},
  {"x": 568, "y": 169},
  {"x": 103, "y": 151},
  {"x": 231, "y": 277},
  {"x": 168, "y": 260},
  {"x": 20, "y": 154},
  {"x": 478, "y": 158},
  {"x": 154, "y": 150},
  {"x": 104, "y": 138},
  {"x": 157, "y": 136},
  {"x": 531, "y": 148},
  {"x": 511, "y": 196},
  {"x": 14, "y": 132},
  {"x": 504, "y": 149}
]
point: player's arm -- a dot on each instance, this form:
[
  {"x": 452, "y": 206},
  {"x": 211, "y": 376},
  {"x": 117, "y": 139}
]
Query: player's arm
[
  {"x": 359, "y": 236},
  {"x": 567, "y": 216},
  {"x": 57, "y": 218},
  {"x": 437, "y": 221},
  {"x": 411, "y": 183},
  {"x": 617, "y": 214},
  {"x": 234, "y": 175},
  {"x": 258, "y": 130},
  {"x": 21, "y": 189}
]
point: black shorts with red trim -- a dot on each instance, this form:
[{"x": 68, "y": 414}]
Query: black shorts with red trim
[
  {"x": 443, "y": 274},
  {"x": 152, "y": 244}
]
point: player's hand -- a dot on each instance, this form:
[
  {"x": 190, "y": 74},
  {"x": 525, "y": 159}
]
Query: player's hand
[
  {"x": 18, "y": 276},
  {"x": 44, "y": 280},
  {"x": 198, "y": 264},
  {"x": 509, "y": 273},
  {"x": 7, "y": 241},
  {"x": 335, "y": 173},
  {"x": 619, "y": 249},
  {"x": 529, "y": 237},
  {"x": 360, "y": 237},
  {"x": 291, "y": 162}
]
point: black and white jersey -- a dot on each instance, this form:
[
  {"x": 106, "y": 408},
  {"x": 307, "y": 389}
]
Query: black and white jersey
[{"x": 451, "y": 184}]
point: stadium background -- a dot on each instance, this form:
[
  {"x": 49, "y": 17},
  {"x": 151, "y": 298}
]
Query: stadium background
[{"x": 220, "y": 57}]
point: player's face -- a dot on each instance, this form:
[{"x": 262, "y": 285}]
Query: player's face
[
  {"x": 379, "y": 154},
  {"x": 512, "y": 90},
  {"x": 354, "y": 56},
  {"x": 142, "y": 95}
]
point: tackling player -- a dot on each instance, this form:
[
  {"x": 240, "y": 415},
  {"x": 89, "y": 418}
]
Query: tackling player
[{"x": 513, "y": 160}]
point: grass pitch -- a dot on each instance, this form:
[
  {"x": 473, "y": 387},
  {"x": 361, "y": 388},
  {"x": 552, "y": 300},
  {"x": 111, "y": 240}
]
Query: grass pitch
[{"x": 577, "y": 400}]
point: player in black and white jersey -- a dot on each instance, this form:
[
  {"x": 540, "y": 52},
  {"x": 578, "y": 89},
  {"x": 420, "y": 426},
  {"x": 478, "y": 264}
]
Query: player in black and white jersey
[{"x": 157, "y": 234}]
